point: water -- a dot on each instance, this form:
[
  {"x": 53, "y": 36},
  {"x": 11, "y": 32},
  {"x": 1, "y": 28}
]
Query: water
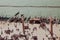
[
  {"x": 30, "y": 11},
  {"x": 10, "y": 11}
]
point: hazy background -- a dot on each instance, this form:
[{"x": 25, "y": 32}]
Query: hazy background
[{"x": 30, "y": 11}]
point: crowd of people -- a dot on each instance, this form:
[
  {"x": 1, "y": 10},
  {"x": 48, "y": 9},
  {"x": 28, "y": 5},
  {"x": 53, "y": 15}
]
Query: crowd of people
[
  {"x": 39, "y": 19},
  {"x": 11, "y": 30},
  {"x": 14, "y": 31}
]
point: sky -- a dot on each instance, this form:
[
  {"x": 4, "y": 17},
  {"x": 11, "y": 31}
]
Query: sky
[{"x": 29, "y": 11}]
